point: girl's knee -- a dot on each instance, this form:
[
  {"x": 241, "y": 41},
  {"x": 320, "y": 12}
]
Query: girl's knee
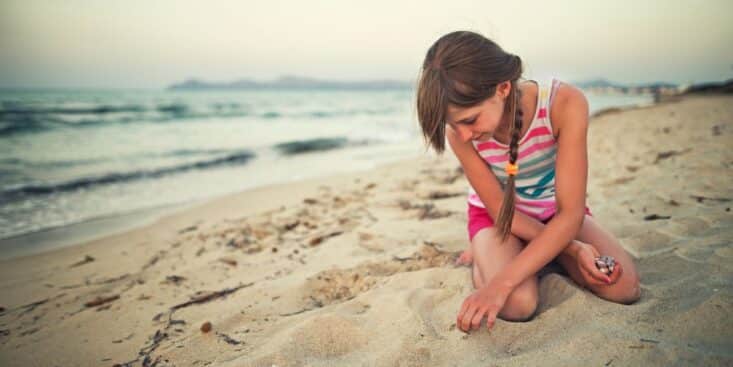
[
  {"x": 521, "y": 305},
  {"x": 490, "y": 237},
  {"x": 626, "y": 291},
  {"x": 631, "y": 293}
]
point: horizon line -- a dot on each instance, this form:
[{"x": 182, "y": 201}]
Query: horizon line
[{"x": 314, "y": 79}]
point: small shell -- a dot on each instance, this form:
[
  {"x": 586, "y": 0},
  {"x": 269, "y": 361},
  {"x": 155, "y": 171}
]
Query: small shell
[{"x": 605, "y": 264}]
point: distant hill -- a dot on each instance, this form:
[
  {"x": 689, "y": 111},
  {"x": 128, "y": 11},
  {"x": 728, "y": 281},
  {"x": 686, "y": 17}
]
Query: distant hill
[
  {"x": 595, "y": 83},
  {"x": 290, "y": 82},
  {"x": 603, "y": 83}
]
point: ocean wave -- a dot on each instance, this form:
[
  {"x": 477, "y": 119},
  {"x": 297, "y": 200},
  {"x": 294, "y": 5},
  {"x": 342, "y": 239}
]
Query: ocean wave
[
  {"x": 191, "y": 152},
  {"x": 19, "y": 119},
  {"x": 317, "y": 144},
  {"x": 270, "y": 115},
  {"x": 49, "y": 164},
  {"x": 239, "y": 158},
  {"x": 22, "y": 119},
  {"x": 18, "y": 162},
  {"x": 90, "y": 110}
]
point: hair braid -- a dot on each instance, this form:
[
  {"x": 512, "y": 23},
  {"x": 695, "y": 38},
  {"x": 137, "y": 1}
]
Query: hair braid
[{"x": 506, "y": 214}]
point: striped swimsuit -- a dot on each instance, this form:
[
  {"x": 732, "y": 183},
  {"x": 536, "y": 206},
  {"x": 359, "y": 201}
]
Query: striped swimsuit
[{"x": 535, "y": 182}]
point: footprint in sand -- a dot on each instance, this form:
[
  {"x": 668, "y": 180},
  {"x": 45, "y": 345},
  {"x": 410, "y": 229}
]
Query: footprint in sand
[
  {"x": 423, "y": 303},
  {"x": 408, "y": 355},
  {"x": 706, "y": 251},
  {"x": 322, "y": 337},
  {"x": 423, "y": 211},
  {"x": 684, "y": 226},
  {"x": 371, "y": 242},
  {"x": 724, "y": 252},
  {"x": 649, "y": 241},
  {"x": 325, "y": 336},
  {"x": 338, "y": 285},
  {"x": 444, "y": 176}
]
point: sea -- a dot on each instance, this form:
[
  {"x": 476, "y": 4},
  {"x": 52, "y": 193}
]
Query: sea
[{"x": 79, "y": 164}]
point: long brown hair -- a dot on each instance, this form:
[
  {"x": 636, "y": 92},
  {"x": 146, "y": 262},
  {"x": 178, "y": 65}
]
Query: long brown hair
[{"x": 463, "y": 68}]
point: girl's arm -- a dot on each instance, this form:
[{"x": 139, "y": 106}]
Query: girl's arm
[
  {"x": 488, "y": 189},
  {"x": 570, "y": 117}
]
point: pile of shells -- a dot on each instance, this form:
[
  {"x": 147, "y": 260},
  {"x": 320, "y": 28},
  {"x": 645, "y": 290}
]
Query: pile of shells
[{"x": 605, "y": 264}]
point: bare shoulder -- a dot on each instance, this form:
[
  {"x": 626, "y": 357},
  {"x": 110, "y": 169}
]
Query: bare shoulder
[{"x": 569, "y": 106}]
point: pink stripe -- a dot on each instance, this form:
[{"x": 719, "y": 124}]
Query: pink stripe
[
  {"x": 542, "y": 215},
  {"x": 538, "y": 131},
  {"x": 542, "y": 130},
  {"x": 527, "y": 203},
  {"x": 525, "y": 211},
  {"x": 542, "y": 113},
  {"x": 547, "y": 213},
  {"x": 526, "y": 152},
  {"x": 489, "y": 145},
  {"x": 538, "y": 203}
]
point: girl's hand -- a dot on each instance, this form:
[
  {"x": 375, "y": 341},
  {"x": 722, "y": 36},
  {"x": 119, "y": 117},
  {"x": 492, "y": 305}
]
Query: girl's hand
[
  {"x": 585, "y": 257},
  {"x": 486, "y": 301},
  {"x": 465, "y": 258}
]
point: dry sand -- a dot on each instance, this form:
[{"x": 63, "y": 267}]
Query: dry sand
[{"x": 358, "y": 269}]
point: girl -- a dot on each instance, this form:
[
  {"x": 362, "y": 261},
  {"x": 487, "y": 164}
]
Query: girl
[{"x": 525, "y": 139}]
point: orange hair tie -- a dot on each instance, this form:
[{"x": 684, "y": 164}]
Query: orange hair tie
[{"x": 511, "y": 169}]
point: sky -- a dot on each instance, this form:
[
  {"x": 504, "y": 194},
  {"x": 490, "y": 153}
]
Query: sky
[{"x": 154, "y": 43}]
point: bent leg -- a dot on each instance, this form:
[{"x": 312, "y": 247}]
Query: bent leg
[
  {"x": 489, "y": 256},
  {"x": 626, "y": 290}
]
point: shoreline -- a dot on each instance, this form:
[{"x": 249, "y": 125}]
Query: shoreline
[
  {"x": 122, "y": 225},
  {"x": 659, "y": 100},
  {"x": 74, "y": 234},
  {"x": 81, "y": 232}
]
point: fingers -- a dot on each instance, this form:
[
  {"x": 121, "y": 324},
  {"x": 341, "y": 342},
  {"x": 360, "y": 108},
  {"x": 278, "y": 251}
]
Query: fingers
[
  {"x": 462, "y": 313},
  {"x": 491, "y": 319},
  {"x": 617, "y": 272},
  {"x": 476, "y": 320},
  {"x": 471, "y": 314},
  {"x": 471, "y": 320},
  {"x": 467, "y": 318},
  {"x": 597, "y": 278},
  {"x": 593, "y": 275},
  {"x": 592, "y": 281}
]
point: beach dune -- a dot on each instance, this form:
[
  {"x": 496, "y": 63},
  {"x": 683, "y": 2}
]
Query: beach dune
[{"x": 357, "y": 269}]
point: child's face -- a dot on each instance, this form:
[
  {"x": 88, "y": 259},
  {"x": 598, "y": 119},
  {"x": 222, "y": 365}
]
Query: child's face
[{"x": 481, "y": 121}]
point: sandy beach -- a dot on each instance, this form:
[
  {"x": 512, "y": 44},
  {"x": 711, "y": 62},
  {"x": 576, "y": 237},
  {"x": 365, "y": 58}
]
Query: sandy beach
[{"x": 357, "y": 269}]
